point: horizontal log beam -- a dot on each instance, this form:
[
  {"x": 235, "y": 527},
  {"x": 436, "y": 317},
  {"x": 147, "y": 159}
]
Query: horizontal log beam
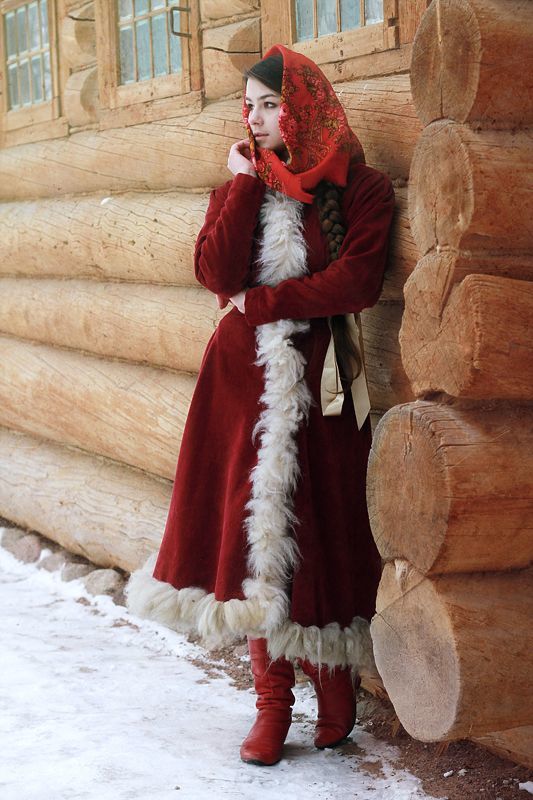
[
  {"x": 191, "y": 151},
  {"x": 515, "y": 744},
  {"x": 130, "y": 413},
  {"x": 445, "y": 647},
  {"x": 113, "y": 515},
  {"x": 466, "y": 499},
  {"x": 164, "y": 326},
  {"x": 479, "y": 346},
  {"x": 472, "y": 190},
  {"x": 466, "y": 56}
]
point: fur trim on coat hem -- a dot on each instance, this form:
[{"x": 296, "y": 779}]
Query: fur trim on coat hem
[{"x": 220, "y": 623}]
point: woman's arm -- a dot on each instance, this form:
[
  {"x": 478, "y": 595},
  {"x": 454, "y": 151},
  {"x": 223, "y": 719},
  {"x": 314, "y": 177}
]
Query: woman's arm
[
  {"x": 224, "y": 245},
  {"x": 350, "y": 283}
]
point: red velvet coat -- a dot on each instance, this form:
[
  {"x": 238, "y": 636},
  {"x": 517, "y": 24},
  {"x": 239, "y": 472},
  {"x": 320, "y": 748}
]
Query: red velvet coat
[{"x": 204, "y": 544}]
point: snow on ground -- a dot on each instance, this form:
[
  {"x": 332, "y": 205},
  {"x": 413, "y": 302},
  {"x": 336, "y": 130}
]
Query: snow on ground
[{"x": 94, "y": 708}]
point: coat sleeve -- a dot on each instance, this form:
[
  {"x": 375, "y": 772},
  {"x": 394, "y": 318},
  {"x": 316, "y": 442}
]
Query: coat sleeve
[
  {"x": 352, "y": 281},
  {"x": 224, "y": 245}
]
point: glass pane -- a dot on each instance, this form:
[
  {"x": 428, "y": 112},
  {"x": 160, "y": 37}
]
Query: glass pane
[
  {"x": 33, "y": 21},
  {"x": 175, "y": 47},
  {"x": 127, "y": 65},
  {"x": 13, "y": 84},
  {"x": 327, "y": 16},
  {"x": 24, "y": 82},
  {"x": 44, "y": 22},
  {"x": 304, "y": 20},
  {"x": 141, "y": 6},
  {"x": 373, "y": 11},
  {"x": 47, "y": 77},
  {"x": 125, "y": 9},
  {"x": 142, "y": 33},
  {"x": 21, "y": 29},
  {"x": 159, "y": 4},
  {"x": 350, "y": 14},
  {"x": 11, "y": 34},
  {"x": 159, "y": 44},
  {"x": 36, "y": 79}
]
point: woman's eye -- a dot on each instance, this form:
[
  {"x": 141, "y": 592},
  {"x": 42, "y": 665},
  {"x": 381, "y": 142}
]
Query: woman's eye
[{"x": 270, "y": 105}]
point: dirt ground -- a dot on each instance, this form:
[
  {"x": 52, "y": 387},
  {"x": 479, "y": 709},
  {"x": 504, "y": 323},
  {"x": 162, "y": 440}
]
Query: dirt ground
[{"x": 473, "y": 773}]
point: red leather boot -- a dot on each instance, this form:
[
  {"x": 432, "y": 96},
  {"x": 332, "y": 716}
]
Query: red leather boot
[
  {"x": 273, "y": 682},
  {"x": 335, "y": 694}
]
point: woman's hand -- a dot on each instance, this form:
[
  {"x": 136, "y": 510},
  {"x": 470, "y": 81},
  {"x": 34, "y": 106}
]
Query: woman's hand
[
  {"x": 238, "y": 300},
  {"x": 240, "y": 159}
]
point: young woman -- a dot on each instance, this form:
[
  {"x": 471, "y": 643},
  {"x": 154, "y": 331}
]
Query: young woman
[{"x": 268, "y": 534}]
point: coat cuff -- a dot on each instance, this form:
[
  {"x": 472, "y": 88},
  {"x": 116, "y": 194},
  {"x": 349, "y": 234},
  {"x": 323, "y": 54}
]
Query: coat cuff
[
  {"x": 255, "y": 310},
  {"x": 248, "y": 184}
]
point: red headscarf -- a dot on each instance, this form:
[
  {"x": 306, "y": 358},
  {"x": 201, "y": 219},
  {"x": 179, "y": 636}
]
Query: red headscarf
[{"x": 315, "y": 130}]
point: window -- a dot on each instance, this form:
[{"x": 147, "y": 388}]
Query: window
[
  {"x": 320, "y": 17},
  {"x": 148, "y": 55},
  {"x": 28, "y": 63}
]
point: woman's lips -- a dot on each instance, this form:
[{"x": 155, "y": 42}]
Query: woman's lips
[{"x": 260, "y": 135}]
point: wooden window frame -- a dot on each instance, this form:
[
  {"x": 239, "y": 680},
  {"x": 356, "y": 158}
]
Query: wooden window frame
[
  {"x": 39, "y": 120},
  {"x": 279, "y": 25},
  {"x": 155, "y": 98}
]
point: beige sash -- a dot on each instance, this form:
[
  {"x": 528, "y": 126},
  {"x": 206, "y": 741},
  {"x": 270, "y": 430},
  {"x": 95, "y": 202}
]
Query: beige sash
[{"x": 331, "y": 391}]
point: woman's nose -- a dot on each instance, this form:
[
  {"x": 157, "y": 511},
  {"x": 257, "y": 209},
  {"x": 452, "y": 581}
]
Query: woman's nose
[{"x": 254, "y": 116}]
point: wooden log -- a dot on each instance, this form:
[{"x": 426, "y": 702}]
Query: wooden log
[
  {"x": 473, "y": 62},
  {"x": 456, "y": 652},
  {"x": 466, "y": 499},
  {"x": 387, "y": 381},
  {"x": 162, "y": 326},
  {"x": 81, "y": 102},
  {"x": 403, "y": 252},
  {"x": 223, "y": 72},
  {"x": 472, "y": 190},
  {"x": 191, "y": 151},
  {"x": 130, "y": 237},
  {"x": 238, "y": 37},
  {"x": 410, "y": 13},
  {"x": 130, "y": 413},
  {"x": 479, "y": 346},
  {"x": 111, "y": 514},
  {"x": 78, "y": 37},
  {"x": 218, "y": 9},
  {"x": 515, "y": 744}
]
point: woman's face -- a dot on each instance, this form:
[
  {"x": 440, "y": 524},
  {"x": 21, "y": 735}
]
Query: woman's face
[{"x": 263, "y": 104}]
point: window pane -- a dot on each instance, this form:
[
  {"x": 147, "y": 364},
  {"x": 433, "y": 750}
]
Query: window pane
[
  {"x": 13, "y": 86},
  {"x": 36, "y": 79},
  {"x": 24, "y": 78},
  {"x": 159, "y": 44},
  {"x": 11, "y": 34},
  {"x": 124, "y": 9},
  {"x": 373, "y": 11},
  {"x": 141, "y": 6},
  {"x": 304, "y": 20},
  {"x": 175, "y": 47},
  {"x": 350, "y": 14},
  {"x": 44, "y": 22},
  {"x": 127, "y": 66},
  {"x": 33, "y": 20},
  {"x": 159, "y": 4},
  {"x": 47, "y": 77},
  {"x": 21, "y": 29},
  {"x": 142, "y": 33},
  {"x": 327, "y": 16}
]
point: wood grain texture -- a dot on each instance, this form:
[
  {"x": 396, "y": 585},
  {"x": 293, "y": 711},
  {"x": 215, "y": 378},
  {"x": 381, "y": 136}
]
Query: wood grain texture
[
  {"x": 111, "y": 514},
  {"x": 130, "y": 413},
  {"x": 473, "y": 62},
  {"x": 466, "y": 497},
  {"x": 163, "y": 326},
  {"x": 445, "y": 647},
  {"x": 138, "y": 236},
  {"x": 80, "y": 100},
  {"x": 515, "y": 744},
  {"x": 478, "y": 346},
  {"x": 472, "y": 190},
  {"x": 219, "y": 9}
]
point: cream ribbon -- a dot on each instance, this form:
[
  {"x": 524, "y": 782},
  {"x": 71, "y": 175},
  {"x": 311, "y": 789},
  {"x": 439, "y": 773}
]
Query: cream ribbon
[{"x": 331, "y": 391}]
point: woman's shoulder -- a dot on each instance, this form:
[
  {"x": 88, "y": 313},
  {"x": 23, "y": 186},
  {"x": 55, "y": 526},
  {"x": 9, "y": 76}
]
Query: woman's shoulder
[{"x": 363, "y": 177}]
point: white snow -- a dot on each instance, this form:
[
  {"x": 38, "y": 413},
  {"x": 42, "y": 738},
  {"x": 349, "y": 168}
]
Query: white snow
[
  {"x": 528, "y": 786},
  {"x": 99, "y": 705}
]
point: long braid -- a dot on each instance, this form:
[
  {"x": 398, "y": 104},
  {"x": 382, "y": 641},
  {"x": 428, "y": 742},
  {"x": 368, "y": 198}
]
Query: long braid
[{"x": 328, "y": 200}]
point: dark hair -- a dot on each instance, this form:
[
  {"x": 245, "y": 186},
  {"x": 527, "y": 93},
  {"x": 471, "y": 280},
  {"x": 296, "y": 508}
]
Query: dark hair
[
  {"x": 269, "y": 71},
  {"x": 328, "y": 199}
]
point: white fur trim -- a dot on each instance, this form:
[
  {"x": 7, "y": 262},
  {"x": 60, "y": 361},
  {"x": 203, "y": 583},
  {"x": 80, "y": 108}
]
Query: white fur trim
[{"x": 272, "y": 550}]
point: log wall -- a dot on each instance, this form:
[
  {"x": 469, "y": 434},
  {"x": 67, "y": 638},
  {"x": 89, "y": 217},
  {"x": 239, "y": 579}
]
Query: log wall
[{"x": 456, "y": 532}]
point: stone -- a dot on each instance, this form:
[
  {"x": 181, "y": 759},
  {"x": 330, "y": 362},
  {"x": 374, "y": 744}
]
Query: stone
[
  {"x": 55, "y": 561},
  {"x": 28, "y": 548},
  {"x": 103, "y": 581},
  {"x": 10, "y": 537},
  {"x": 73, "y": 571}
]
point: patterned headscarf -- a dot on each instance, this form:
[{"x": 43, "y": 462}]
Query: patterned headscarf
[{"x": 314, "y": 128}]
